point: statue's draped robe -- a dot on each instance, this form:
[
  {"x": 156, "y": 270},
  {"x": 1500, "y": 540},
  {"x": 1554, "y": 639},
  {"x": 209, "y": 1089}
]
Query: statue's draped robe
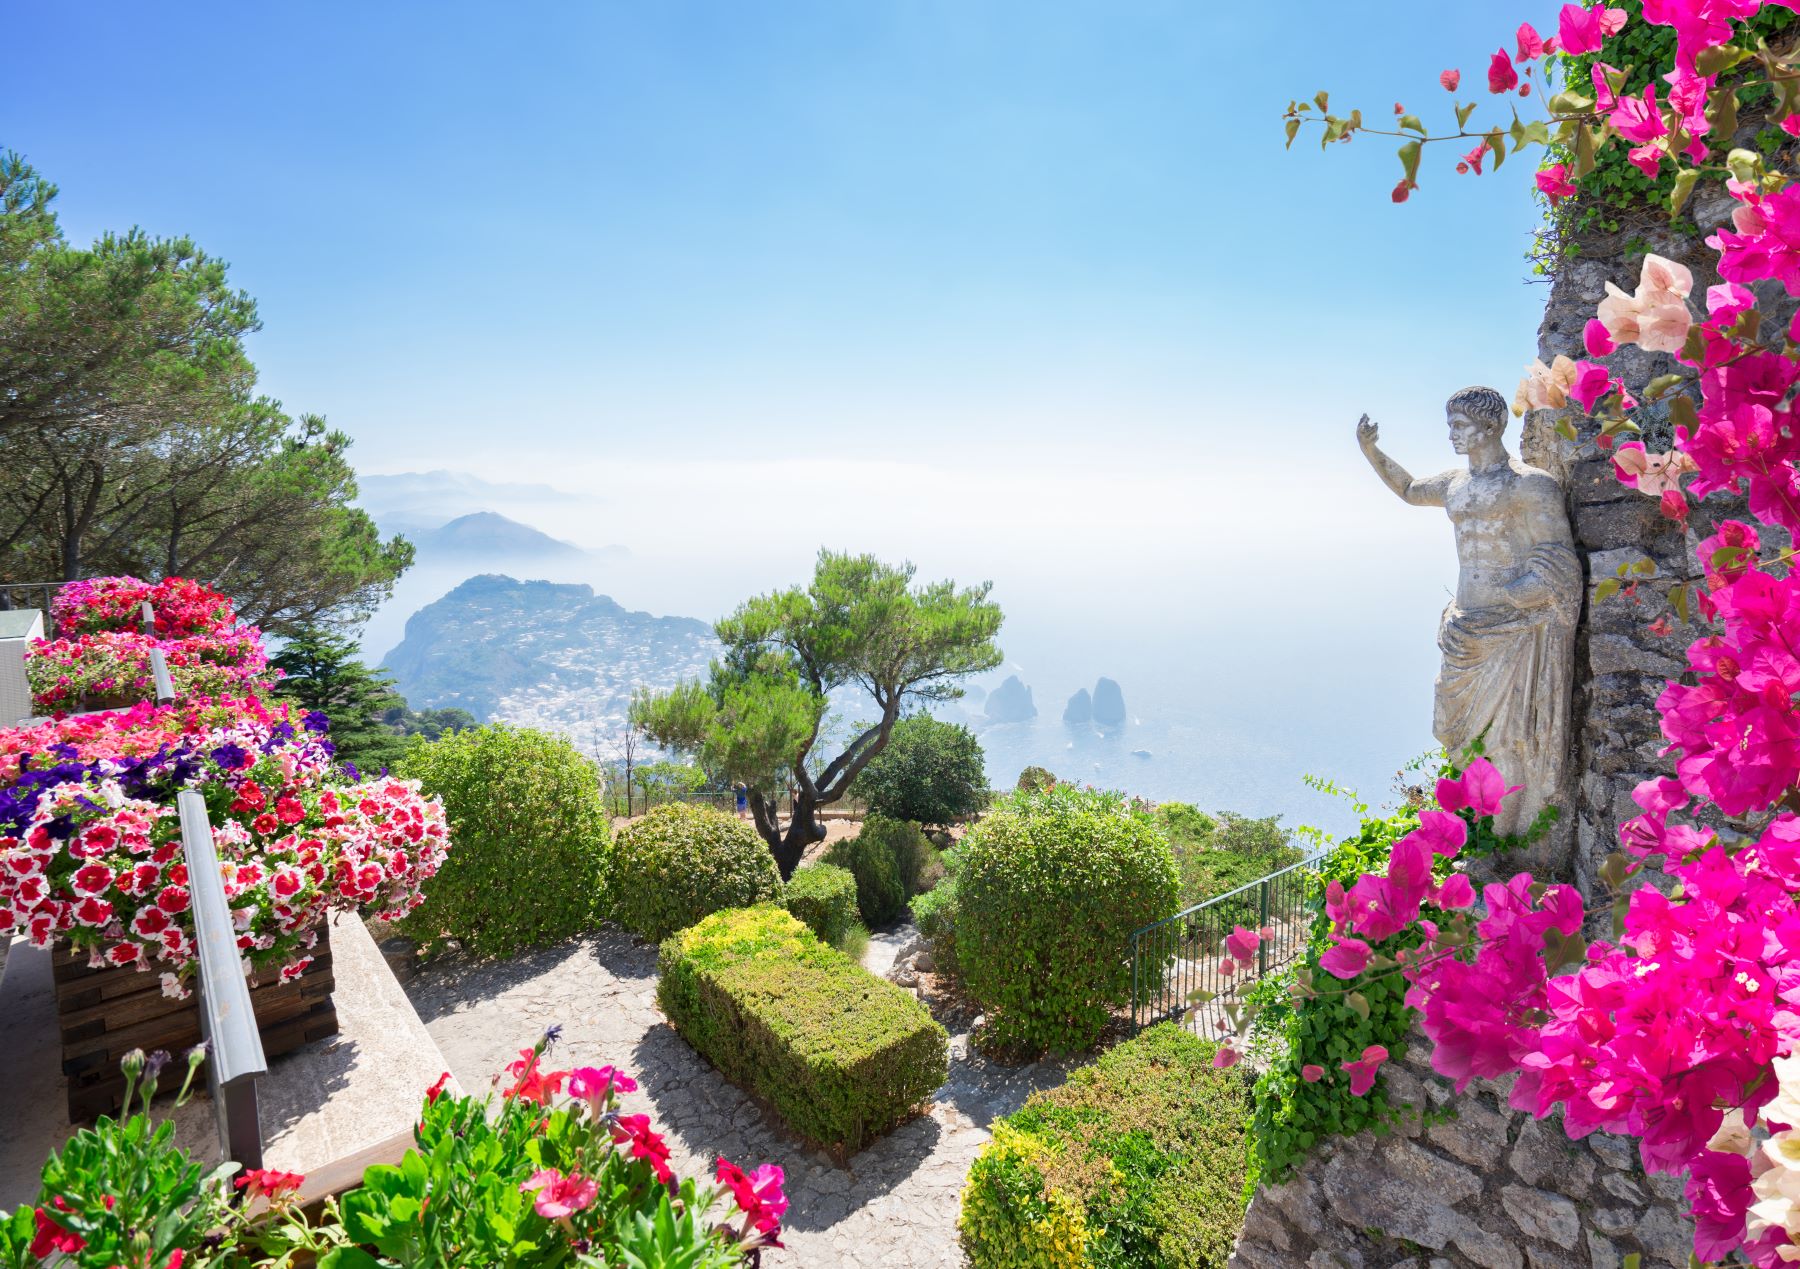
[{"x": 1506, "y": 677}]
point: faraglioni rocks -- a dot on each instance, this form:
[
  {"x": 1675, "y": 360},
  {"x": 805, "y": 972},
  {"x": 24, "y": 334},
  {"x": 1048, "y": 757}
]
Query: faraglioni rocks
[
  {"x": 1109, "y": 704},
  {"x": 1080, "y": 708},
  {"x": 1010, "y": 702}
]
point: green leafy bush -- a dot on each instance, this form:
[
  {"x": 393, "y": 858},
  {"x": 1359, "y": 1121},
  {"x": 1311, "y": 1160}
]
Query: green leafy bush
[
  {"x": 930, "y": 772},
  {"x": 1049, "y": 889},
  {"x": 842, "y": 1056},
  {"x": 680, "y": 863},
  {"x": 824, "y": 896},
  {"x": 889, "y": 860},
  {"x": 934, "y": 913},
  {"x": 1137, "y": 1160},
  {"x": 530, "y": 844},
  {"x": 1036, "y": 780}
]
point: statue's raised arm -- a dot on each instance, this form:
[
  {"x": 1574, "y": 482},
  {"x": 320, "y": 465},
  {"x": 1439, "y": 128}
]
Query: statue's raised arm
[{"x": 1429, "y": 492}]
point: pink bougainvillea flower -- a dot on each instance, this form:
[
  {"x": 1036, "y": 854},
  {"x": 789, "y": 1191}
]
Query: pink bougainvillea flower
[
  {"x": 1442, "y": 832},
  {"x": 1531, "y": 44},
  {"x": 1450, "y": 79},
  {"x": 1583, "y": 30},
  {"x": 1592, "y": 382},
  {"x": 1545, "y": 387},
  {"x": 1456, "y": 892},
  {"x": 1403, "y": 190},
  {"x": 1480, "y": 789},
  {"x": 1363, "y": 1069},
  {"x": 1346, "y": 958},
  {"x": 1312, "y": 1072},
  {"x": 1639, "y": 119},
  {"x": 1646, "y": 159},
  {"x": 1674, "y": 506},
  {"x": 1597, "y": 338},
  {"x": 1502, "y": 78},
  {"x": 1241, "y": 943},
  {"x": 1474, "y": 157},
  {"x": 1648, "y": 473},
  {"x": 1553, "y": 182},
  {"x": 1225, "y": 1058},
  {"x": 559, "y": 1196}
]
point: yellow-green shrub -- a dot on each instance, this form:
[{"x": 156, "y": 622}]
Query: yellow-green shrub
[
  {"x": 1137, "y": 1160},
  {"x": 842, "y": 1056},
  {"x": 823, "y": 896}
]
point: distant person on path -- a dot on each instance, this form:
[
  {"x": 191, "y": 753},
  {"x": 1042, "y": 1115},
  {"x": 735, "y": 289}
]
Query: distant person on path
[{"x": 743, "y": 800}]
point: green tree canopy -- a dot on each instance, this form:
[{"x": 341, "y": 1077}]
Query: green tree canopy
[
  {"x": 135, "y": 440},
  {"x": 931, "y": 772},
  {"x": 323, "y": 672},
  {"x": 859, "y": 623}
]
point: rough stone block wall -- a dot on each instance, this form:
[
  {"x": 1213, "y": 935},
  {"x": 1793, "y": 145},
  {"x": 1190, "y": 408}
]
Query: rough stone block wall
[{"x": 1492, "y": 1188}]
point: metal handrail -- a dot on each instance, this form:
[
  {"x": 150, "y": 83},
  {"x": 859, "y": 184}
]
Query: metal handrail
[
  {"x": 1180, "y": 943},
  {"x": 47, "y": 592}
]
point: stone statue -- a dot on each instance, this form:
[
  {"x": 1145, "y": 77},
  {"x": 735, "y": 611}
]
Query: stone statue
[{"x": 1508, "y": 638}]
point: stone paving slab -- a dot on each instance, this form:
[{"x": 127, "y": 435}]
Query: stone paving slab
[{"x": 894, "y": 1205}]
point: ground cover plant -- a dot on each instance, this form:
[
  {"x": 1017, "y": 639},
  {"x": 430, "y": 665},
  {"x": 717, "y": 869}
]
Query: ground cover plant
[
  {"x": 546, "y": 1170},
  {"x": 679, "y": 863},
  {"x": 1674, "y": 1031},
  {"x": 533, "y": 844},
  {"x": 1216, "y": 854},
  {"x": 842, "y": 1056},
  {"x": 1138, "y": 1159},
  {"x": 1049, "y": 888}
]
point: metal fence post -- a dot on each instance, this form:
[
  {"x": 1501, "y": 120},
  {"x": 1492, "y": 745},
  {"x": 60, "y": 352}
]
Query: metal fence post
[
  {"x": 159, "y": 671},
  {"x": 234, "y": 1056},
  {"x": 1262, "y": 945},
  {"x": 147, "y": 615}
]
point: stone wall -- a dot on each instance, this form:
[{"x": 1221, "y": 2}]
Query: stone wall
[{"x": 1491, "y": 1187}]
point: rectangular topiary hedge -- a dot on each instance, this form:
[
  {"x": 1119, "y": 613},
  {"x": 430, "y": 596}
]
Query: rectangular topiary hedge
[
  {"x": 843, "y": 1056},
  {"x": 1137, "y": 1160}
]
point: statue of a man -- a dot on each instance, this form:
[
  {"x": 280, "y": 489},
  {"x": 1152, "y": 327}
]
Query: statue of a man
[{"x": 1508, "y": 638}]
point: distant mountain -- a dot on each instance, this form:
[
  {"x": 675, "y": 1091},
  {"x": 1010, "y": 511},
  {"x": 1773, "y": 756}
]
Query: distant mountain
[
  {"x": 488, "y": 533},
  {"x": 543, "y": 654},
  {"x": 436, "y": 496}
]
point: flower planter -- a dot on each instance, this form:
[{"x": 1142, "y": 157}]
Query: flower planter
[{"x": 105, "y": 1013}]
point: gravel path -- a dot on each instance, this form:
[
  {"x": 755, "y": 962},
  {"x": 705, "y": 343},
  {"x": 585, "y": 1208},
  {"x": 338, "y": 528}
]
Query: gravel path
[{"x": 896, "y": 1203}]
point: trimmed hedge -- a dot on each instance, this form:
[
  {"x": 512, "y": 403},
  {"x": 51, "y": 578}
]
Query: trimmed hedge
[
  {"x": 824, "y": 896},
  {"x": 889, "y": 859},
  {"x": 842, "y": 1056},
  {"x": 1137, "y": 1160},
  {"x": 680, "y": 863},
  {"x": 1049, "y": 889},
  {"x": 530, "y": 848}
]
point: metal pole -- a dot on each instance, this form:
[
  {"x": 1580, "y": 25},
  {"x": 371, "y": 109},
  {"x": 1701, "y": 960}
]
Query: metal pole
[
  {"x": 234, "y": 1056},
  {"x": 147, "y": 615},
  {"x": 159, "y": 671},
  {"x": 1262, "y": 945}
]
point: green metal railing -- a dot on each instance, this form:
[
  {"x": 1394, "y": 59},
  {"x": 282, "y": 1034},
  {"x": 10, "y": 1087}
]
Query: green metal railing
[{"x": 1179, "y": 956}]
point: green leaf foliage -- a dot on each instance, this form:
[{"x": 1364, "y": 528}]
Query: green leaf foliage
[
  {"x": 1216, "y": 855},
  {"x": 681, "y": 862},
  {"x": 530, "y": 846},
  {"x": 1137, "y": 1160},
  {"x": 1049, "y": 889},
  {"x": 930, "y": 772},
  {"x": 889, "y": 859},
  {"x": 824, "y": 896},
  {"x": 842, "y": 1056},
  {"x": 322, "y": 670}
]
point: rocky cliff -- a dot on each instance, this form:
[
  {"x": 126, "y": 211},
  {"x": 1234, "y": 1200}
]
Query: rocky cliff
[{"x": 543, "y": 654}]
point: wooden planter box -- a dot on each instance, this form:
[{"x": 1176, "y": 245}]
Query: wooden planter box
[{"x": 105, "y": 1013}]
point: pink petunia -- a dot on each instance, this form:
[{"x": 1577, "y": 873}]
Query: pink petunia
[{"x": 560, "y": 1196}]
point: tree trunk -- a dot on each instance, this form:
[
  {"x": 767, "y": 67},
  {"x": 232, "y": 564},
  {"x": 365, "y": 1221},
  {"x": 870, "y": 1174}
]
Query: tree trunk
[{"x": 803, "y": 829}]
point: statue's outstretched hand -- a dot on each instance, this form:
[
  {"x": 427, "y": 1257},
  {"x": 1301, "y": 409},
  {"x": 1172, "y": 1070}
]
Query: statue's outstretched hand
[{"x": 1367, "y": 433}]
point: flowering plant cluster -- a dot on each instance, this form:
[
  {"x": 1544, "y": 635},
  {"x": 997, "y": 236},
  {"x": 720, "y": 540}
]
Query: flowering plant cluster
[
  {"x": 555, "y": 1175},
  {"x": 183, "y": 607},
  {"x": 1681, "y": 1030},
  {"x": 101, "y": 653}
]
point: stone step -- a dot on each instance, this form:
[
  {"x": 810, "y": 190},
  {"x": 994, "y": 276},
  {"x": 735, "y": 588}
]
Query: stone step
[{"x": 328, "y": 1109}]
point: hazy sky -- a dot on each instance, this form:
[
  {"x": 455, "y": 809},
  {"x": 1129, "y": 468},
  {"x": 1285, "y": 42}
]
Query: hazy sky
[{"x": 1027, "y": 291}]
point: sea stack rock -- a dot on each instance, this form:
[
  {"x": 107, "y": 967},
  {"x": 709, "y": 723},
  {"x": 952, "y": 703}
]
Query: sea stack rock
[
  {"x": 1109, "y": 704},
  {"x": 1010, "y": 702},
  {"x": 1080, "y": 708}
]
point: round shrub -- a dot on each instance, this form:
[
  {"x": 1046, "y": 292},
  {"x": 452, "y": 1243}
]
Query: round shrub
[
  {"x": 824, "y": 896},
  {"x": 929, "y": 772},
  {"x": 530, "y": 848},
  {"x": 1050, "y": 887},
  {"x": 680, "y": 863},
  {"x": 889, "y": 860}
]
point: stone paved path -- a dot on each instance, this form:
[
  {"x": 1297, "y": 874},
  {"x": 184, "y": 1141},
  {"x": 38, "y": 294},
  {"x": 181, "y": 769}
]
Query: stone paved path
[{"x": 895, "y": 1204}]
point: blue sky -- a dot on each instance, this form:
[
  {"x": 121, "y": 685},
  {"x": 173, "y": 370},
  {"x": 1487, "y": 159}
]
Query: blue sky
[{"x": 1028, "y": 291}]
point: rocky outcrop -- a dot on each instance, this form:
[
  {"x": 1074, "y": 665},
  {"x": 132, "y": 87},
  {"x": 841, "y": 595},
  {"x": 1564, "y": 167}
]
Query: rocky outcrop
[
  {"x": 1080, "y": 708},
  {"x": 1109, "y": 704},
  {"x": 1491, "y": 1188},
  {"x": 1010, "y": 702}
]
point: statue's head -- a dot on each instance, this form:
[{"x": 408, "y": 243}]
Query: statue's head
[{"x": 1475, "y": 415}]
